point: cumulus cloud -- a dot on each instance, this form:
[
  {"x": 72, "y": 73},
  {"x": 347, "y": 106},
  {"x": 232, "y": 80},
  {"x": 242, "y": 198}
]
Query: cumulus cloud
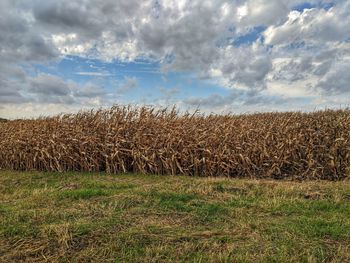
[
  {"x": 299, "y": 52},
  {"x": 9, "y": 93},
  {"x": 52, "y": 89},
  {"x": 337, "y": 80},
  {"x": 242, "y": 67},
  {"x": 312, "y": 25},
  {"x": 254, "y": 12},
  {"x": 49, "y": 85}
]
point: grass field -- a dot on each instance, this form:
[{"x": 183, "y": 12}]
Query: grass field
[{"x": 75, "y": 217}]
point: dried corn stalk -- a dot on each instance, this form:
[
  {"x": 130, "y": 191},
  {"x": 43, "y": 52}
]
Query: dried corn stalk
[{"x": 126, "y": 139}]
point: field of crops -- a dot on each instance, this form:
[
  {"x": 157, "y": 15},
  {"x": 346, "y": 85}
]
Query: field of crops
[{"x": 144, "y": 140}]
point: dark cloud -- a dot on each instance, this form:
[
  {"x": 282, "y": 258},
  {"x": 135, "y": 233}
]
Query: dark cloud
[
  {"x": 67, "y": 14},
  {"x": 49, "y": 85},
  {"x": 244, "y": 67},
  {"x": 9, "y": 94},
  {"x": 20, "y": 41},
  {"x": 323, "y": 68},
  {"x": 336, "y": 81},
  {"x": 90, "y": 91}
]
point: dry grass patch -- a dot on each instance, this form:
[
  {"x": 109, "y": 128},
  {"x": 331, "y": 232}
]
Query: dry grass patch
[{"x": 181, "y": 219}]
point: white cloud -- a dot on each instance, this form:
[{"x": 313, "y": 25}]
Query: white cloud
[
  {"x": 314, "y": 24},
  {"x": 242, "y": 68},
  {"x": 262, "y": 12},
  {"x": 300, "y": 54},
  {"x": 93, "y": 73},
  {"x": 69, "y": 44}
]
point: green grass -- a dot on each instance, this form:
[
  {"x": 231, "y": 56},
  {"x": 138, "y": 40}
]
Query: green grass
[{"x": 74, "y": 217}]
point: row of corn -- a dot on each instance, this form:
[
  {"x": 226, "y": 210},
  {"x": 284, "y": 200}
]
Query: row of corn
[{"x": 145, "y": 140}]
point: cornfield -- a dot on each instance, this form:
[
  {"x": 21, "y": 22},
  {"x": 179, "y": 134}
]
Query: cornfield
[{"x": 124, "y": 139}]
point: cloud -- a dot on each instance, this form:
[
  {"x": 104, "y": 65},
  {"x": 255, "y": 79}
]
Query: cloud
[
  {"x": 238, "y": 101},
  {"x": 127, "y": 85},
  {"x": 46, "y": 84},
  {"x": 168, "y": 93},
  {"x": 53, "y": 89},
  {"x": 312, "y": 25},
  {"x": 262, "y": 12},
  {"x": 337, "y": 80},
  {"x": 293, "y": 69},
  {"x": 242, "y": 67},
  {"x": 211, "y": 101},
  {"x": 90, "y": 91},
  {"x": 94, "y": 74},
  {"x": 9, "y": 93},
  {"x": 19, "y": 40},
  {"x": 294, "y": 53}
]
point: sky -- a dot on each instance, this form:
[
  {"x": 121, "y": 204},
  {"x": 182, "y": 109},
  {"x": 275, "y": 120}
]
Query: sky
[{"x": 237, "y": 56}]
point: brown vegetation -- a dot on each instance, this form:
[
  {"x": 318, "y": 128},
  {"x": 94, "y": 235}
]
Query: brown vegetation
[{"x": 125, "y": 139}]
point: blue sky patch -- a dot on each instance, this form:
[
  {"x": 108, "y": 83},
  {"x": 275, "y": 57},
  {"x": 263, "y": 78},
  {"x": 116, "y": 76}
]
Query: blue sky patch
[
  {"x": 250, "y": 37},
  {"x": 301, "y": 7}
]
